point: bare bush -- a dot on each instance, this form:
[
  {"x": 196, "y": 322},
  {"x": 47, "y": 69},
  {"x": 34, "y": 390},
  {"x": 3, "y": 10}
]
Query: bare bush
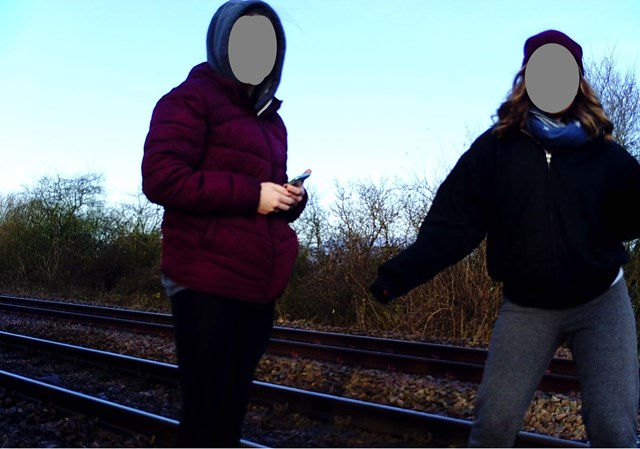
[
  {"x": 49, "y": 229},
  {"x": 619, "y": 94},
  {"x": 59, "y": 236},
  {"x": 367, "y": 224}
]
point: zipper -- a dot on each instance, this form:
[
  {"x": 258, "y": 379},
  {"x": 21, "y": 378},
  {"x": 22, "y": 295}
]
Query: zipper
[
  {"x": 274, "y": 157},
  {"x": 264, "y": 108},
  {"x": 548, "y": 154}
]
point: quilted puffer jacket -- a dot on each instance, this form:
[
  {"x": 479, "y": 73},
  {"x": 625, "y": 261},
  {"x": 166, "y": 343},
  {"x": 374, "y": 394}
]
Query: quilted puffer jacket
[{"x": 206, "y": 153}]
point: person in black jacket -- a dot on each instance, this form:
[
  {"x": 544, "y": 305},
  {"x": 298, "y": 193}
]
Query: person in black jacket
[{"x": 552, "y": 193}]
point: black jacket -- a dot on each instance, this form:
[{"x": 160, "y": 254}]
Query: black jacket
[{"x": 554, "y": 221}]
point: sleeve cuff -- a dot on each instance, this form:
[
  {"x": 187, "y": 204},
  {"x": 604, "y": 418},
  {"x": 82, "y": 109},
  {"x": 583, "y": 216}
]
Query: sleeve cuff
[{"x": 382, "y": 291}]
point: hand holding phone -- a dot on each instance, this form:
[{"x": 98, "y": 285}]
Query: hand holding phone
[{"x": 298, "y": 180}]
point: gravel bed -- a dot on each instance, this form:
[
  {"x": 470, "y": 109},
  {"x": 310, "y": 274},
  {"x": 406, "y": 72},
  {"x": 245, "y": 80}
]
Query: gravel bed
[
  {"x": 555, "y": 415},
  {"x": 263, "y": 425},
  {"x": 24, "y": 423}
]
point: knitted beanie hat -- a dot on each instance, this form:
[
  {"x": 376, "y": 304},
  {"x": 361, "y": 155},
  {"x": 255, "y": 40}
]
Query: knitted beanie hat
[{"x": 552, "y": 37}]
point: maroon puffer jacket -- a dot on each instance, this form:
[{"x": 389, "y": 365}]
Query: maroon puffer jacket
[{"x": 205, "y": 156}]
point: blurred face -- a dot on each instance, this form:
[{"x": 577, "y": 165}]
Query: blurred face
[
  {"x": 252, "y": 49},
  {"x": 552, "y": 77}
]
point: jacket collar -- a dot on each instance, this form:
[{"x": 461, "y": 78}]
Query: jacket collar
[{"x": 236, "y": 90}]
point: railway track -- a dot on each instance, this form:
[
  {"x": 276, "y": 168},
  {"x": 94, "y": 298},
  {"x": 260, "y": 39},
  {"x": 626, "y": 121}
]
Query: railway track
[
  {"x": 434, "y": 429},
  {"x": 109, "y": 317},
  {"x": 465, "y": 364}
]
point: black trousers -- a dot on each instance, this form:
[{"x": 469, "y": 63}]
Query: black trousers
[{"x": 219, "y": 342}]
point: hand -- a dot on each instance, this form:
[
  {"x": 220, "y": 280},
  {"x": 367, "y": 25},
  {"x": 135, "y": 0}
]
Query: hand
[
  {"x": 274, "y": 197},
  {"x": 297, "y": 191},
  {"x": 380, "y": 291}
]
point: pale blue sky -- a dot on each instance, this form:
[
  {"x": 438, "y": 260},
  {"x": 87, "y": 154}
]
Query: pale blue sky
[{"x": 371, "y": 88}]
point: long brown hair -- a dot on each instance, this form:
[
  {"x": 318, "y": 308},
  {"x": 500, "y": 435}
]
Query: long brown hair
[{"x": 586, "y": 108}]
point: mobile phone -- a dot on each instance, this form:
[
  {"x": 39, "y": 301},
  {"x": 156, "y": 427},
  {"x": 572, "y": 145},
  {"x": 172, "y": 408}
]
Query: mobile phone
[{"x": 298, "y": 180}]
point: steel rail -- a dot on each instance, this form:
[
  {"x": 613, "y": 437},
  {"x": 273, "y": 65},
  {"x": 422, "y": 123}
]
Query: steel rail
[
  {"x": 437, "y": 430},
  {"x": 111, "y": 414},
  {"x": 77, "y": 313},
  {"x": 434, "y": 360},
  {"x": 116, "y": 415},
  {"x": 465, "y": 364},
  {"x": 162, "y": 322},
  {"x": 369, "y": 416},
  {"x": 404, "y": 347},
  {"x": 449, "y": 369},
  {"x": 90, "y": 309},
  {"x": 159, "y": 370}
]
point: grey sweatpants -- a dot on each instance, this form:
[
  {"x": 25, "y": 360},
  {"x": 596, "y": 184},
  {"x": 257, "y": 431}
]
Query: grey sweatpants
[{"x": 602, "y": 337}]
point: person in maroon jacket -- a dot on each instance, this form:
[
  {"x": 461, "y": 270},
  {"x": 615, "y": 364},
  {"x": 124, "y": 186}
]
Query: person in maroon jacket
[{"x": 215, "y": 159}]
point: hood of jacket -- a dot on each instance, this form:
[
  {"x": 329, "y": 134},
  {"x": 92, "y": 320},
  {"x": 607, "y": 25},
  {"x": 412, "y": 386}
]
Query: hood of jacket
[{"x": 218, "y": 45}]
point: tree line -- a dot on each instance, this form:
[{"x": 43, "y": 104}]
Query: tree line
[{"x": 60, "y": 238}]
